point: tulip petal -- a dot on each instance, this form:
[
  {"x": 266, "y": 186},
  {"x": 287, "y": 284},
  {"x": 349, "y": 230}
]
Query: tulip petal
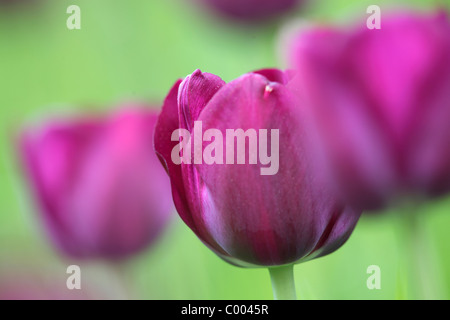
[
  {"x": 276, "y": 75},
  {"x": 169, "y": 121},
  {"x": 194, "y": 93}
]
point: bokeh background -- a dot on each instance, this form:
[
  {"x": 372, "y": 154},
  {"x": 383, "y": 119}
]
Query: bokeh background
[{"x": 135, "y": 50}]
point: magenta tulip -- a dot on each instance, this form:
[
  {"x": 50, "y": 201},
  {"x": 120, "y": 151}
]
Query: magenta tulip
[
  {"x": 99, "y": 185},
  {"x": 247, "y": 215},
  {"x": 250, "y": 10},
  {"x": 381, "y": 102}
]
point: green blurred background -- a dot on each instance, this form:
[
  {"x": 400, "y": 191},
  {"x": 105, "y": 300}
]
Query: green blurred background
[{"x": 135, "y": 50}]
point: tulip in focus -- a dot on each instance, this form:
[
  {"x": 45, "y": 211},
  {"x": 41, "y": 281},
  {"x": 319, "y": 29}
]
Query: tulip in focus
[
  {"x": 99, "y": 185},
  {"x": 247, "y": 218},
  {"x": 251, "y": 10},
  {"x": 381, "y": 103}
]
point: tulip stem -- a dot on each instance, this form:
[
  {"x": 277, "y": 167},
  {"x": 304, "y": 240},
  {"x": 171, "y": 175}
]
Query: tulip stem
[
  {"x": 422, "y": 280},
  {"x": 283, "y": 283}
]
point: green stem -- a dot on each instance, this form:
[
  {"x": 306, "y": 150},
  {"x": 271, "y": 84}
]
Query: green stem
[
  {"x": 283, "y": 284},
  {"x": 418, "y": 262}
]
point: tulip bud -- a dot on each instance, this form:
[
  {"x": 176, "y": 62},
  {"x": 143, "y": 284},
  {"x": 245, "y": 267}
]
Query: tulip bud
[
  {"x": 381, "y": 103},
  {"x": 99, "y": 185},
  {"x": 246, "y": 215}
]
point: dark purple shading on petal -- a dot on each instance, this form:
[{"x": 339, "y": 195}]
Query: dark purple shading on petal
[{"x": 251, "y": 10}]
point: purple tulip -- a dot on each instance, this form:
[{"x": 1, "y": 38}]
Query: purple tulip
[
  {"x": 248, "y": 216},
  {"x": 102, "y": 191},
  {"x": 381, "y": 101},
  {"x": 251, "y": 9}
]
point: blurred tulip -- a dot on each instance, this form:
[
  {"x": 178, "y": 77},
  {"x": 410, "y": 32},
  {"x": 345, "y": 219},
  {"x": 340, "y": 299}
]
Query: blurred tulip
[
  {"x": 24, "y": 287},
  {"x": 21, "y": 280},
  {"x": 102, "y": 191},
  {"x": 381, "y": 101},
  {"x": 249, "y": 10},
  {"x": 246, "y": 218}
]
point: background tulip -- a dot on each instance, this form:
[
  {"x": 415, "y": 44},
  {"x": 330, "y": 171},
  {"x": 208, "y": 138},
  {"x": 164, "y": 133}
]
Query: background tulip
[
  {"x": 247, "y": 218},
  {"x": 251, "y": 9},
  {"x": 100, "y": 187},
  {"x": 381, "y": 99},
  {"x": 32, "y": 284}
]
